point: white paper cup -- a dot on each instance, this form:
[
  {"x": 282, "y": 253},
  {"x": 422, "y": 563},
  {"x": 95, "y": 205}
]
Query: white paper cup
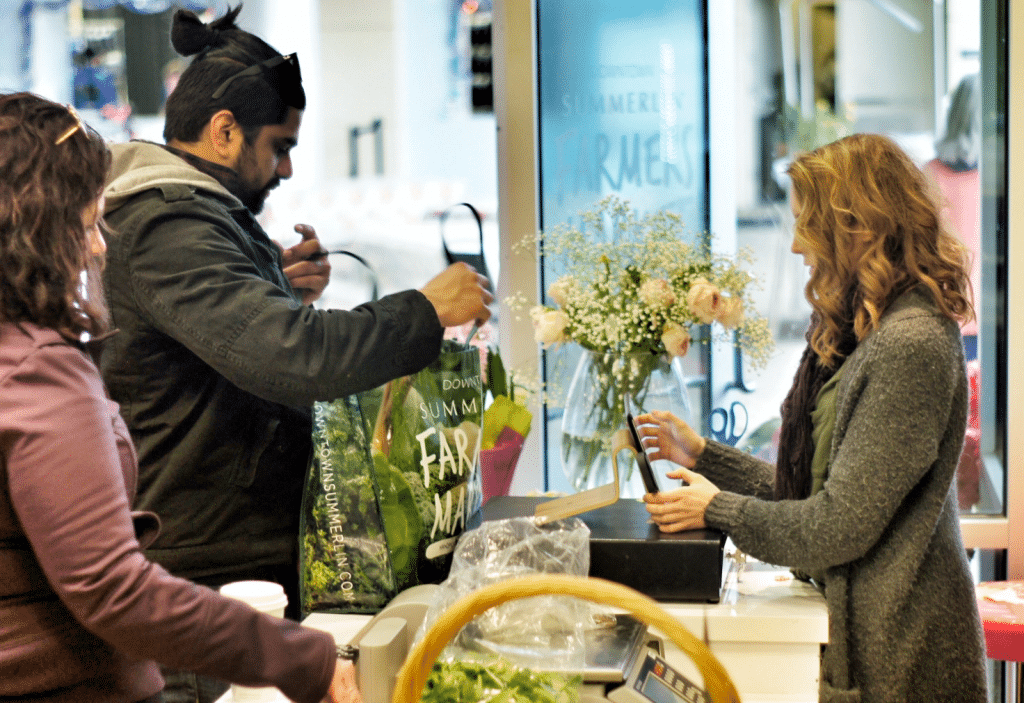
[{"x": 266, "y": 597}]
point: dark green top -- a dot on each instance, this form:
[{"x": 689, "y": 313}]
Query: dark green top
[
  {"x": 824, "y": 419},
  {"x": 217, "y": 363}
]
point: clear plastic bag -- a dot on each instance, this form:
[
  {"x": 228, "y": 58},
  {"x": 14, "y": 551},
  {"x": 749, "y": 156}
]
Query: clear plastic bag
[{"x": 544, "y": 633}]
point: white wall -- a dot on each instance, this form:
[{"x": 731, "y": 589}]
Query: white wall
[
  {"x": 294, "y": 27},
  {"x": 393, "y": 61},
  {"x": 757, "y": 60},
  {"x": 50, "y": 56},
  {"x": 441, "y": 137},
  {"x": 896, "y": 88},
  {"x": 358, "y": 56}
]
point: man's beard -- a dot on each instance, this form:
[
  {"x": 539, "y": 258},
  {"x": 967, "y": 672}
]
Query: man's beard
[{"x": 254, "y": 198}]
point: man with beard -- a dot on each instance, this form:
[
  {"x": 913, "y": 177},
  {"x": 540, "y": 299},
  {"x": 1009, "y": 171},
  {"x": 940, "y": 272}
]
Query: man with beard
[{"x": 218, "y": 356}]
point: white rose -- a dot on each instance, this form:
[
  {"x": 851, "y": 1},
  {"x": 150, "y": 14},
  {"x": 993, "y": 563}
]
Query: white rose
[
  {"x": 549, "y": 325},
  {"x": 676, "y": 339},
  {"x": 703, "y": 299},
  {"x": 657, "y": 293},
  {"x": 730, "y": 312},
  {"x": 560, "y": 290}
]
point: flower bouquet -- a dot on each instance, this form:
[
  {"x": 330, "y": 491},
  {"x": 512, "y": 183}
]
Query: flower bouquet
[
  {"x": 506, "y": 419},
  {"x": 635, "y": 296}
]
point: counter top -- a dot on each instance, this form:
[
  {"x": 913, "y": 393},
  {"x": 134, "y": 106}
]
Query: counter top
[
  {"x": 765, "y": 623},
  {"x": 760, "y": 602}
]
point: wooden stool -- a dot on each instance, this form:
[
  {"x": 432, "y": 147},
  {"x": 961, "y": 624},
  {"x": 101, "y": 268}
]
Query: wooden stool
[{"x": 1001, "y": 606}]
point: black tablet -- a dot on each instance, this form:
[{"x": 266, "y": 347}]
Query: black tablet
[{"x": 646, "y": 472}]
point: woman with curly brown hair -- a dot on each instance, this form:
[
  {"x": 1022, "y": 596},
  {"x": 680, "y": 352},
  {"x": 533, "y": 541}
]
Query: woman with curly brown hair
[
  {"x": 83, "y": 614},
  {"x": 861, "y": 498}
]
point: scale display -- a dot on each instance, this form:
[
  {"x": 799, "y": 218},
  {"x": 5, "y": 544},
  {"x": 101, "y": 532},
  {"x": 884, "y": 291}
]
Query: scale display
[{"x": 657, "y": 682}]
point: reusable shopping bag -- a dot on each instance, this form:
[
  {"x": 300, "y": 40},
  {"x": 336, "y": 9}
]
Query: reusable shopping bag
[{"x": 393, "y": 481}]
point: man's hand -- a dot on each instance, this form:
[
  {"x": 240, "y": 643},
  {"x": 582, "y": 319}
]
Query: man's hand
[
  {"x": 459, "y": 294},
  {"x": 343, "y": 686},
  {"x": 306, "y": 265}
]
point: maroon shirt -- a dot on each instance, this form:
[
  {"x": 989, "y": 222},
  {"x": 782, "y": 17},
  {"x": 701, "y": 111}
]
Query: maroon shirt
[{"x": 83, "y": 614}]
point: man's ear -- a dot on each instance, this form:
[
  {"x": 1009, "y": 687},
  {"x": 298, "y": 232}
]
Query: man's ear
[{"x": 225, "y": 135}]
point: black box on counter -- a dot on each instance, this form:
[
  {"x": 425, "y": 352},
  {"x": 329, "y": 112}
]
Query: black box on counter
[{"x": 626, "y": 547}]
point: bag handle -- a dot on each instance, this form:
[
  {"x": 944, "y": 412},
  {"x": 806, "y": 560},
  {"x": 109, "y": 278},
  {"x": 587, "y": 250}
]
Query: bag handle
[
  {"x": 374, "y": 293},
  {"x": 412, "y": 677},
  {"x": 476, "y": 260}
]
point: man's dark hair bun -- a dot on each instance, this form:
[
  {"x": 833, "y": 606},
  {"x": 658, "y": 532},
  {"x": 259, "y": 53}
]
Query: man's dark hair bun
[{"x": 190, "y": 36}]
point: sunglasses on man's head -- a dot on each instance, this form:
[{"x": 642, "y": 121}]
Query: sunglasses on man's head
[{"x": 282, "y": 72}]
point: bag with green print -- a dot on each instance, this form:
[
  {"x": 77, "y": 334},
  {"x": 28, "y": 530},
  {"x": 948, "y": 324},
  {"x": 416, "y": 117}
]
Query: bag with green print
[{"x": 394, "y": 479}]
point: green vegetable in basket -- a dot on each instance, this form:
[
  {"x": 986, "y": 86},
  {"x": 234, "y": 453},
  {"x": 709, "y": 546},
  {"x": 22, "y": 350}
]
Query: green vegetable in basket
[{"x": 497, "y": 681}]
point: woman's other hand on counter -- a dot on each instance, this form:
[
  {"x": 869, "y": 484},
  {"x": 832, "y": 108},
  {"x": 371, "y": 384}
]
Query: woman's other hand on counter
[{"x": 682, "y": 508}]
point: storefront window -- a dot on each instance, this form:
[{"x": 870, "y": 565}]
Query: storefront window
[
  {"x": 622, "y": 112},
  {"x": 937, "y": 90},
  {"x": 797, "y": 74}
]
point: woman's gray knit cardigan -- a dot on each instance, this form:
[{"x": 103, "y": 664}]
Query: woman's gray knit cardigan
[{"x": 883, "y": 534}]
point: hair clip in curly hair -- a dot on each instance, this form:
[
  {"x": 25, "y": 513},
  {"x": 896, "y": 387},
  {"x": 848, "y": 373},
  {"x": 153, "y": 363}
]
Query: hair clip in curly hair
[
  {"x": 66, "y": 135},
  {"x": 282, "y": 72}
]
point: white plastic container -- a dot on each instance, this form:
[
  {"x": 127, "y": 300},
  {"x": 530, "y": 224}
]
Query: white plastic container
[{"x": 266, "y": 597}]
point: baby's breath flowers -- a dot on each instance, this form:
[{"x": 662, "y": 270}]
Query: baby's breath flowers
[
  {"x": 641, "y": 287},
  {"x": 636, "y": 292}
]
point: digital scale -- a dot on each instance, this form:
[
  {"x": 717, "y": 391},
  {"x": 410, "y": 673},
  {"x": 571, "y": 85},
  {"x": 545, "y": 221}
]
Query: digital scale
[
  {"x": 624, "y": 662},
  {"x": 655, "y": 681}
]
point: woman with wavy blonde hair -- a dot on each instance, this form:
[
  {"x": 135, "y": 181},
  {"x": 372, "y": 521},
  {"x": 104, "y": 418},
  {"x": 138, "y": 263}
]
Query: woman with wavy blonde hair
[
  {"x": 869, "y": 220},
  {"x": 861, "y": 500}
]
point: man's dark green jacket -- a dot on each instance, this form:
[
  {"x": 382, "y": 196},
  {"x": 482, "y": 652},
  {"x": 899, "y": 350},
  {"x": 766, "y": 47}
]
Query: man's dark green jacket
[{"x": 216, "y": 363}]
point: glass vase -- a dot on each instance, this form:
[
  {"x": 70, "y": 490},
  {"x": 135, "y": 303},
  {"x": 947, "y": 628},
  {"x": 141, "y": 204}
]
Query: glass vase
[{"x": 594, "y": 412}]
